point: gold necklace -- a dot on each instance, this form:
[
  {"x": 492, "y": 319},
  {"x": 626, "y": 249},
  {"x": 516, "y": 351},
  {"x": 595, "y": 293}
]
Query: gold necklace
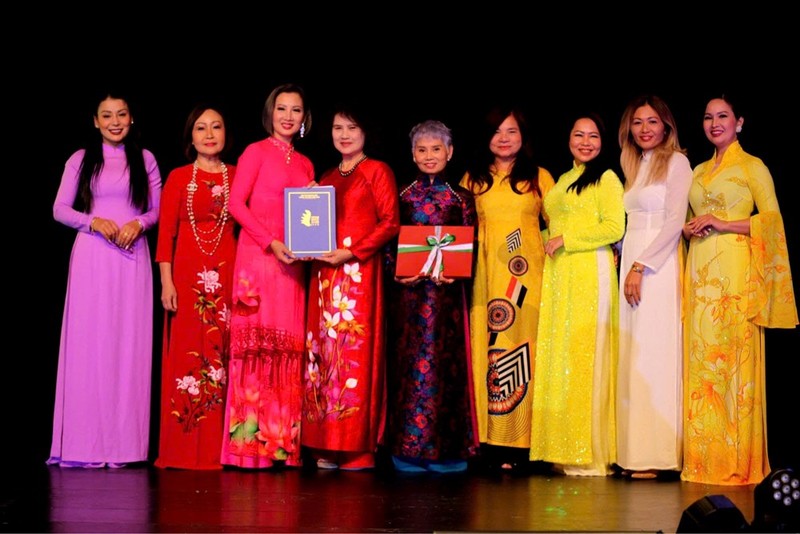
[
  {"x": 353, "y": 168},
  {"x": 219, "y": 226}
]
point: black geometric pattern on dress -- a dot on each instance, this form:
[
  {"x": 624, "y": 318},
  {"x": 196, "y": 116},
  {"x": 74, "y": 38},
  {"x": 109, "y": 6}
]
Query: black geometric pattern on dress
[
  {"x": 514, "y": 369},
  {"x": 514, "y": 240},
  {"x": 508, "y": 377}
]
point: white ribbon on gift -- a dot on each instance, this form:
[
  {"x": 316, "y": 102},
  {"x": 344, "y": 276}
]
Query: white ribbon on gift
[{"x": 436, "y": 244}]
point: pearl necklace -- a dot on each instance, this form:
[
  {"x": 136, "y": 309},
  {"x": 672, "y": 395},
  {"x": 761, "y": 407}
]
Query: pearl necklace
[
  {"x": 353, "y": 168},
  {"x": 219, "y": 226}
]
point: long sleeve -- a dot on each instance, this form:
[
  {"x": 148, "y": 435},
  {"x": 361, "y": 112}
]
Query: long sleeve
[
  {"x": 546, "y": 183},
  {"x": 247, "y": 171},
  {"x": 63, "y": 211},
  {"x": 150, "y": 218},
  {"x": 168, "y": 219},
  {"x": 610, "y": 224},
  {"x": 387, "y": 210},
  {"x": 676, "y": 203},
  {"x": 772, "y": 302}
]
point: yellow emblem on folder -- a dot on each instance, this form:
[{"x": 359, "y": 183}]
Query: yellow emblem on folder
[{"x": 308, "y": 220}]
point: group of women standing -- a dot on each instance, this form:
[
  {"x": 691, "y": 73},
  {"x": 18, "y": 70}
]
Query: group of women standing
[
  {"x": 237, "y": 339},
  {"x": 659, "y": 369},
  {"x": 547, "y": 354},
  {"x": 692, "y": 369}
]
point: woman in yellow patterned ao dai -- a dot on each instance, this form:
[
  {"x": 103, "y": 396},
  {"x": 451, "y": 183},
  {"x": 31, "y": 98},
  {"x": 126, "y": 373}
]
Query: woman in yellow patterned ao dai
[
  {"x": 508, "y": 187},
  {"x": 738, "y": 282},
  {"x": 576, "y": 345}
]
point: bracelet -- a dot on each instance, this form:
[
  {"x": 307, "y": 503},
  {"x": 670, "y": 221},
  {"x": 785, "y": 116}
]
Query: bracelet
[
  {"x": 91, "y": 225},
  {"x": 141, "y": 224},
  {"x": 637, "y": 269}
]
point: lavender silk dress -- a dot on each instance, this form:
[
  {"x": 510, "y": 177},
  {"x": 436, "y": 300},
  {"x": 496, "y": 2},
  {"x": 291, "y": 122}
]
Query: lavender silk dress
[{"x": 102, "y": 402}]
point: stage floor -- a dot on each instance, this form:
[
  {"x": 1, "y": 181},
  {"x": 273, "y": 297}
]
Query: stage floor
[{"x": 147, "y": 499}]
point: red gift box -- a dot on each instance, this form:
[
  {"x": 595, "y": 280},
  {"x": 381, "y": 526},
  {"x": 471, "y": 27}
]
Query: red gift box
[{"x": 434, "y": 250}]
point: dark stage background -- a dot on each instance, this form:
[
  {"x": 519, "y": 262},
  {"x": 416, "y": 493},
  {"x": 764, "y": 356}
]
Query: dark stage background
[{"x": 402, "y": 82}]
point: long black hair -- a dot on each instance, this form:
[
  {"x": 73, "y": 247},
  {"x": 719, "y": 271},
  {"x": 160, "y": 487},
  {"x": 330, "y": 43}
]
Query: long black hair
[{"x": 92, "y": 164}]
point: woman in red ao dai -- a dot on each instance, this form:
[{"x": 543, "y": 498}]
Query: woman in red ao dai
[{"x": 195, "y": 254}]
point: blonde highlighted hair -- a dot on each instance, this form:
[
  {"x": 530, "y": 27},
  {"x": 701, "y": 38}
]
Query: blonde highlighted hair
[{"x": 631, "y": 156}]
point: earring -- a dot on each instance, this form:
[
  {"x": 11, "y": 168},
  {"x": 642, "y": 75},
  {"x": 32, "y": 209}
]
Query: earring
[
  {"x": 738, "y": 129},
  {"x": 302, "y": 130}
]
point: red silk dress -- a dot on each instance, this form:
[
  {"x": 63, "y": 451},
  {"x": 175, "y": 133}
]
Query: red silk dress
[
  {"x": 195, "y": 350},
  {"x": 344, "y": 404}
]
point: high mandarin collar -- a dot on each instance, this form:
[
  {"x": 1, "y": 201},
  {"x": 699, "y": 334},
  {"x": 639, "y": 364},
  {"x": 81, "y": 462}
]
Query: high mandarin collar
[
  {"x": 426, "y": 181},
  {"x": 283, "y": 145},
  {"x": 109, "y": 150},
  {"x": 733, "y": 151}
]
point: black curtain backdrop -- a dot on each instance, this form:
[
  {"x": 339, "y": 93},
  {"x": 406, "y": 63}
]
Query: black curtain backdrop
[{"x": 403, "y": 79}]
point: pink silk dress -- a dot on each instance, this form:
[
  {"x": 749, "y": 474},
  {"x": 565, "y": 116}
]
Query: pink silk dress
[{"x": 264, "y": 401}]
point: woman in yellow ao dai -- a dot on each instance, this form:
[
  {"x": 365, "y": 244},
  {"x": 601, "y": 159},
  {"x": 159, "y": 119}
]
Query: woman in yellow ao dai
[
  {"x": 508, "y": 186},
  {"x": 737, "y": 283},
  {"x": 576, "y": 349}
]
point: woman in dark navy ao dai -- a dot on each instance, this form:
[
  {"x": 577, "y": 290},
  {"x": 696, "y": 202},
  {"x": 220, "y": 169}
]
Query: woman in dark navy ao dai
[{"x": 431, "y": 402}]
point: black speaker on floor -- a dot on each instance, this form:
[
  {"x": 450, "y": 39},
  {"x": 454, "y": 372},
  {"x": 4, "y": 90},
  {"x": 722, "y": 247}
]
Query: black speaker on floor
[{"x": 713, "y": 513}]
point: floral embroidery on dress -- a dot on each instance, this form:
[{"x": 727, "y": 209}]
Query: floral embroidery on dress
[
  {"x": 209, "y": 280},
  {"x": 202, "y": 389},
  {"x": 247, "y": 296},
  {"x": 329, "y": 386},
  {"x": 262, "y": 434}
]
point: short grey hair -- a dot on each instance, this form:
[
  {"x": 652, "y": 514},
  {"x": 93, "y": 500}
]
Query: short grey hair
[{"x": 431, "y": 128}]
